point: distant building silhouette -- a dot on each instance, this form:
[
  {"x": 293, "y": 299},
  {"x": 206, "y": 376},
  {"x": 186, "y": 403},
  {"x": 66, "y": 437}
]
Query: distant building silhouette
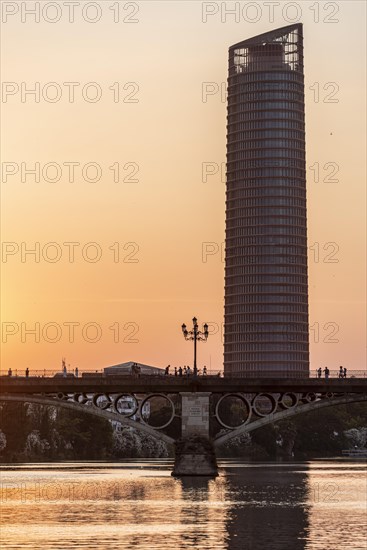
[
  {"x": 126, "y": 368},
  {"x": 266, "y": 289}
]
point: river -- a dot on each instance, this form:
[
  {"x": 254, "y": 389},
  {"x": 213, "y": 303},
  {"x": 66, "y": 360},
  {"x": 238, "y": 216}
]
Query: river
[{"x": 315, "y": 505}]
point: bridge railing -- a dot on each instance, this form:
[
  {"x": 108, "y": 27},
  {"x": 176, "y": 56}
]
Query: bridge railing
[
  {"x": 333, "y": 373},
  {"x": 337, "y": 374},
  {"x": 50, "y": 373}
]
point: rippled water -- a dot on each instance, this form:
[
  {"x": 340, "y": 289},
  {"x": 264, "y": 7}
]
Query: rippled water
[{"x": 309, "y": 505}]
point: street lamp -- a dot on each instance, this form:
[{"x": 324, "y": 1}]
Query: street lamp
[{"x": 195, "y": 334}]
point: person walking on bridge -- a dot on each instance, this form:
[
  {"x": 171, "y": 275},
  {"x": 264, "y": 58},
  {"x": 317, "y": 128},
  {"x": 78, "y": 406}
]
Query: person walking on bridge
[
  {"x": 319, "y": 372},
  {"x": 341, "y": 372},
  {"x": 327, "y": 372},
  {"x": 27, "y": 372},
  {"x": 345, "y": 372}
]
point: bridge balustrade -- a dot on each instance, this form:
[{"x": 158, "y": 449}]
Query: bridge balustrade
[{"x": 45, "y": 373}]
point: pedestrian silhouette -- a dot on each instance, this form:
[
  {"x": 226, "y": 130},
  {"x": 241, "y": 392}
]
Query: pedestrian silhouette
[
  {"x": 10, "y": 372},
  {"x": 27, "y": 372},
  {"x": 204, "y": 371},
  {"x": 345, "y": 372},
  {"x": 327, "y": 372},
  {"x": 341, "y": 372},
  {"x": 319, "y": 372},
  {"x": 180, "y": 371}
]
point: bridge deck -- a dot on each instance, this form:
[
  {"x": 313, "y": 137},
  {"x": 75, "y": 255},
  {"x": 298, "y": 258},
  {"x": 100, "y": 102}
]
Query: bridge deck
[{"x": 173, "y": 384}]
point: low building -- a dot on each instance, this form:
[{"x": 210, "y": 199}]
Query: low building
[{"x": 126, "y": 369}]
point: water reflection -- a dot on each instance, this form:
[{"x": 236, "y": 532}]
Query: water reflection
[
  {"x": 268, "y": 508},
  {"x": 204, "y": 508},
  {"x": 139, "y": 505}
]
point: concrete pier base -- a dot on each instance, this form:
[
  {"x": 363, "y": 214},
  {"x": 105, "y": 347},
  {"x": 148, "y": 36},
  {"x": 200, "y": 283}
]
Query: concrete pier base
[
  {"x": 195, "y": 456},
  {"x": 194, "y": 452}
]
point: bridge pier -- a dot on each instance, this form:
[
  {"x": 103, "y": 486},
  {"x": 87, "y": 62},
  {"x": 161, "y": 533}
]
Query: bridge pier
[{"x": 194, "y": 452}]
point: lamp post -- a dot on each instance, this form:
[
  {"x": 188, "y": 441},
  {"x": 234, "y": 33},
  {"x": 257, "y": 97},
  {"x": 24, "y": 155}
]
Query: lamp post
[{"x": 195, "y": 334}]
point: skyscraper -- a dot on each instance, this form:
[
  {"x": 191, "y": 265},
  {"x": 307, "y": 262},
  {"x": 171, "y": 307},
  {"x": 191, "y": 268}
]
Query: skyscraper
[{"x": 266, "y": 289}]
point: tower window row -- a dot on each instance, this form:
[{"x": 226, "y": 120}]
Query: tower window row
[
  {"x": 267, "y": 346},
  {"x": 261, "y": 188},
  {"x": 272, "y": 341},
  {"x": 232, "y": 301},
  {"x": 269, "y": 260},
  {"x": 268, "y": 124},
  {"x": 245, "y": 96},
  {"x": 239, "y": 135},
  {"x": 238, "y": 172},
  {"x": 266, "y": 201},
  {"x": 267, "y": 356},
  {"x": 261, "y": 327},
  {"x": 234, "y": 223},
  {"x": 238, "y": 290},
  {"x": 269, "y": 308},
  {"x": 273, "y": 164},
  {"x": 258, "y": 105},
  {"x": 265, "y": 115},
  {"x": 236, "y": 266},
  {"x": 234, "y": 280},
  {"x": 301, "y": 317},
  {"x": 260, "y": 86},
  {"x": 257, "y": 153},
  {"x": 272, "y": 76},
  {"x": 240, "y": 144},
  {"x": 263, "y": 248},
  {"x": 267, "y": 229},
  {"x": 265, "y": 211}
]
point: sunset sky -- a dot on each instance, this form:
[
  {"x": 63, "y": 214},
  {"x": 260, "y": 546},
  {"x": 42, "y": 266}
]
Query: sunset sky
[{"x": 153, "y": 120}]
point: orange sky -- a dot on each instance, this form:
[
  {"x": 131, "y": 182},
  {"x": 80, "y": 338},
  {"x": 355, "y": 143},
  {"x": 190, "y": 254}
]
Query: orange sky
[{"x": 160, "y": 132}]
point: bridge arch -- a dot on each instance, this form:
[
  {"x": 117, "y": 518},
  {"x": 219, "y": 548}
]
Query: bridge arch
[
  {"x": 144, "y": 428},
  {"x": 288, "y": 413}
]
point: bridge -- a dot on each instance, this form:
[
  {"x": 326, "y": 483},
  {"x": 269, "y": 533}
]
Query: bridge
[{"x": 203, "y": 404}]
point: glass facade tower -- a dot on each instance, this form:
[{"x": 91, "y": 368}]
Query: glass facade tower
[{"x": 266, "y": 288}]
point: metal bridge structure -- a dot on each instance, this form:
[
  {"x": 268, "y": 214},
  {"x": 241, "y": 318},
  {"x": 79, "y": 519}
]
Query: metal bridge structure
[{"x": 203, "y": 404}]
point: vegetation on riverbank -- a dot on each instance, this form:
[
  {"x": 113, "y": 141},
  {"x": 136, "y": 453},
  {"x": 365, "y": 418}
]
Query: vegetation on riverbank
[
  {"x": 30, "y": 432},
  {"x": 314, "y": 434}
]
